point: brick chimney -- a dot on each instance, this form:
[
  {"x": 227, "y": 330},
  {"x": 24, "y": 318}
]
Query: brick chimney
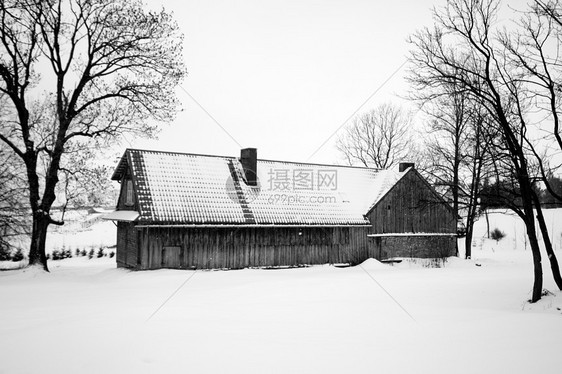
[
  {"x": 249, "y": 161},
  {"x": 405, "y": 165}
]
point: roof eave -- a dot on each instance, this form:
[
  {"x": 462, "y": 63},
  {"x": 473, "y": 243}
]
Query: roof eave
[
  {"x": 227, "y": 225},
  {"x": 120, "y": 168}
]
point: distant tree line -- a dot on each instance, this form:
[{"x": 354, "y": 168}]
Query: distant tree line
[{"x": 500, "y": 194}]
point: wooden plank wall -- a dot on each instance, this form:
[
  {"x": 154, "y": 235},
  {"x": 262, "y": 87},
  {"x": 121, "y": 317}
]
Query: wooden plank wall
[
  {"x": 121, "y": 244},
  {"x": 127, "y": 245},
  {"x": 412, "y": 206},
  {"x": 415, "y": 246},
  {"x": 235, "y": 248}
]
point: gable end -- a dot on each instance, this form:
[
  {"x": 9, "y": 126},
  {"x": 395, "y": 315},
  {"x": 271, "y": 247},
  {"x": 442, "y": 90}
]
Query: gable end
[{"x": 412, "y": 206}]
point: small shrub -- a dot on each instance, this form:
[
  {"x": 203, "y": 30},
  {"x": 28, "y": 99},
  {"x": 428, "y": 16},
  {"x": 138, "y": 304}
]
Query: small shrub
[
  {"x": 437, "y": 262},
  {"x": 91, "y": 253},
  {"x": 5, "y": 253},
  {"x": 430, "y": 262},
  {"x": 100, "y": 252},
  {"x": 111, "y": 254},
  {"x": 18, "y": 256},
  {"x": 56, "y": 255},
  {"x": 67, "y": 254},
  {"x": 77, "y": 252},
  {"x": 497, "y": 234},
  {"x": 83, "y": 253}
]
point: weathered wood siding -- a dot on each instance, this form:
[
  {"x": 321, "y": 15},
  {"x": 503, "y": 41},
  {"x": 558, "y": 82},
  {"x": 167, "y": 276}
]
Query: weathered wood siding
[
  {"x": 415, "y": 246},
  {"x": 412, "y": 206},
  {"x": 127, "y": 245},
  {"x": 235, "y": 248}
]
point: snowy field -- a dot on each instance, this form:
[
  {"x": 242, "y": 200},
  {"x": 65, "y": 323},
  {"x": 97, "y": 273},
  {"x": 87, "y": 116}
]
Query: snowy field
[{"x": 86, "y": 316}]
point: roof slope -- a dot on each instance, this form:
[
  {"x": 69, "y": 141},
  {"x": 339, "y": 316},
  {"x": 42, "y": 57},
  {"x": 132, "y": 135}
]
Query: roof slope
[{"x": 179, "y": 188}]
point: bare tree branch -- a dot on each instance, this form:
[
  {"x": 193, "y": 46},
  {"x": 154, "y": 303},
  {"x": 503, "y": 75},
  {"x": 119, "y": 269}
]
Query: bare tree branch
[{"x": 380, "y": 138}]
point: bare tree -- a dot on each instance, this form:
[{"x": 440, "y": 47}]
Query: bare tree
[
  {"x": 446, "y": 136},
  {"x": 534, "y": 51},
  {"x": 533, "y": 54},
  {"x": 551, "y": 8},
  {"x": 456, "y": 150},
  {"x": 76, "y": 72},
  {"x": 380, "y": 138},
  {"x": 463, "y": 50}
]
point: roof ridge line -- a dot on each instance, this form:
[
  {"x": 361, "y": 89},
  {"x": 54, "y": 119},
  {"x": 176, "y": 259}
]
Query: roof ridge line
[
  {"x": 259, "y": 159},
  {"x": 178, "y": 153}
]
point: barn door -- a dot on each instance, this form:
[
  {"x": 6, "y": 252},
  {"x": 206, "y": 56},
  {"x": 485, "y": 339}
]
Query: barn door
[{"x": 171, "y": 257}]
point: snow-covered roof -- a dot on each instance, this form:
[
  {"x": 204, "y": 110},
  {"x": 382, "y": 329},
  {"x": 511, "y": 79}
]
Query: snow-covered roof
[
  {"x": 180, "y": 188},
  {"x": 121, "y": 215}
]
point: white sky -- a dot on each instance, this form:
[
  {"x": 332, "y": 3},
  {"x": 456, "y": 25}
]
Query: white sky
[{"x": 283, "y": 76}]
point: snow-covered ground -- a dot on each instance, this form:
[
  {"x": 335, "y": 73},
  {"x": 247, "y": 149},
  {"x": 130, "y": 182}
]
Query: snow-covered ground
[{"x": 86, "y": 316}]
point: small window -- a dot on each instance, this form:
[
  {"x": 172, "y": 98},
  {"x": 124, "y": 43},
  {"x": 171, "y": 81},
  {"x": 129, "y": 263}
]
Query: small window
[{"x": 129, "y": 198}]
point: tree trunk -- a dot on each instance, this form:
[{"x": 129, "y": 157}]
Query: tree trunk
[
  {"x": 470, "y": 215},
  {"x": 37, "y": 255},
  {"x": 468, "y": 242},
  {"x": 529, "y": 220},
  {"x": 537, "y": 267},
  {"x": 487, "y": 223},
  {"x": 527, "y": 214},
  {"x": 41, "y": 218},
  {"x": 548, "y": 247},
  {"x": 519, "y": 162},
  {"x": 41, "y": 205},
  {"x": 456, "y": 195}
]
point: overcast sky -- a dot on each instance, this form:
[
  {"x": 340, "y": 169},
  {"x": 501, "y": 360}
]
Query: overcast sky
[{"x": 283, "y": 76}]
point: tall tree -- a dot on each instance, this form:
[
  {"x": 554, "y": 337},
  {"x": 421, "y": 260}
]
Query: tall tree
[
  {"x": 448, "y": 132},
  {"x": 380, "y": 138},
  {"x": 456, "y": 150},
  {"x": 534, "y": 51},
  {"x": 533, "y": 55},
  {"x": 76, "y": 72},
  {"x": 463, "y": 50}
]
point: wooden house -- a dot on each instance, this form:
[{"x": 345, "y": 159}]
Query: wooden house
[{"x": 178, "y": 210}]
